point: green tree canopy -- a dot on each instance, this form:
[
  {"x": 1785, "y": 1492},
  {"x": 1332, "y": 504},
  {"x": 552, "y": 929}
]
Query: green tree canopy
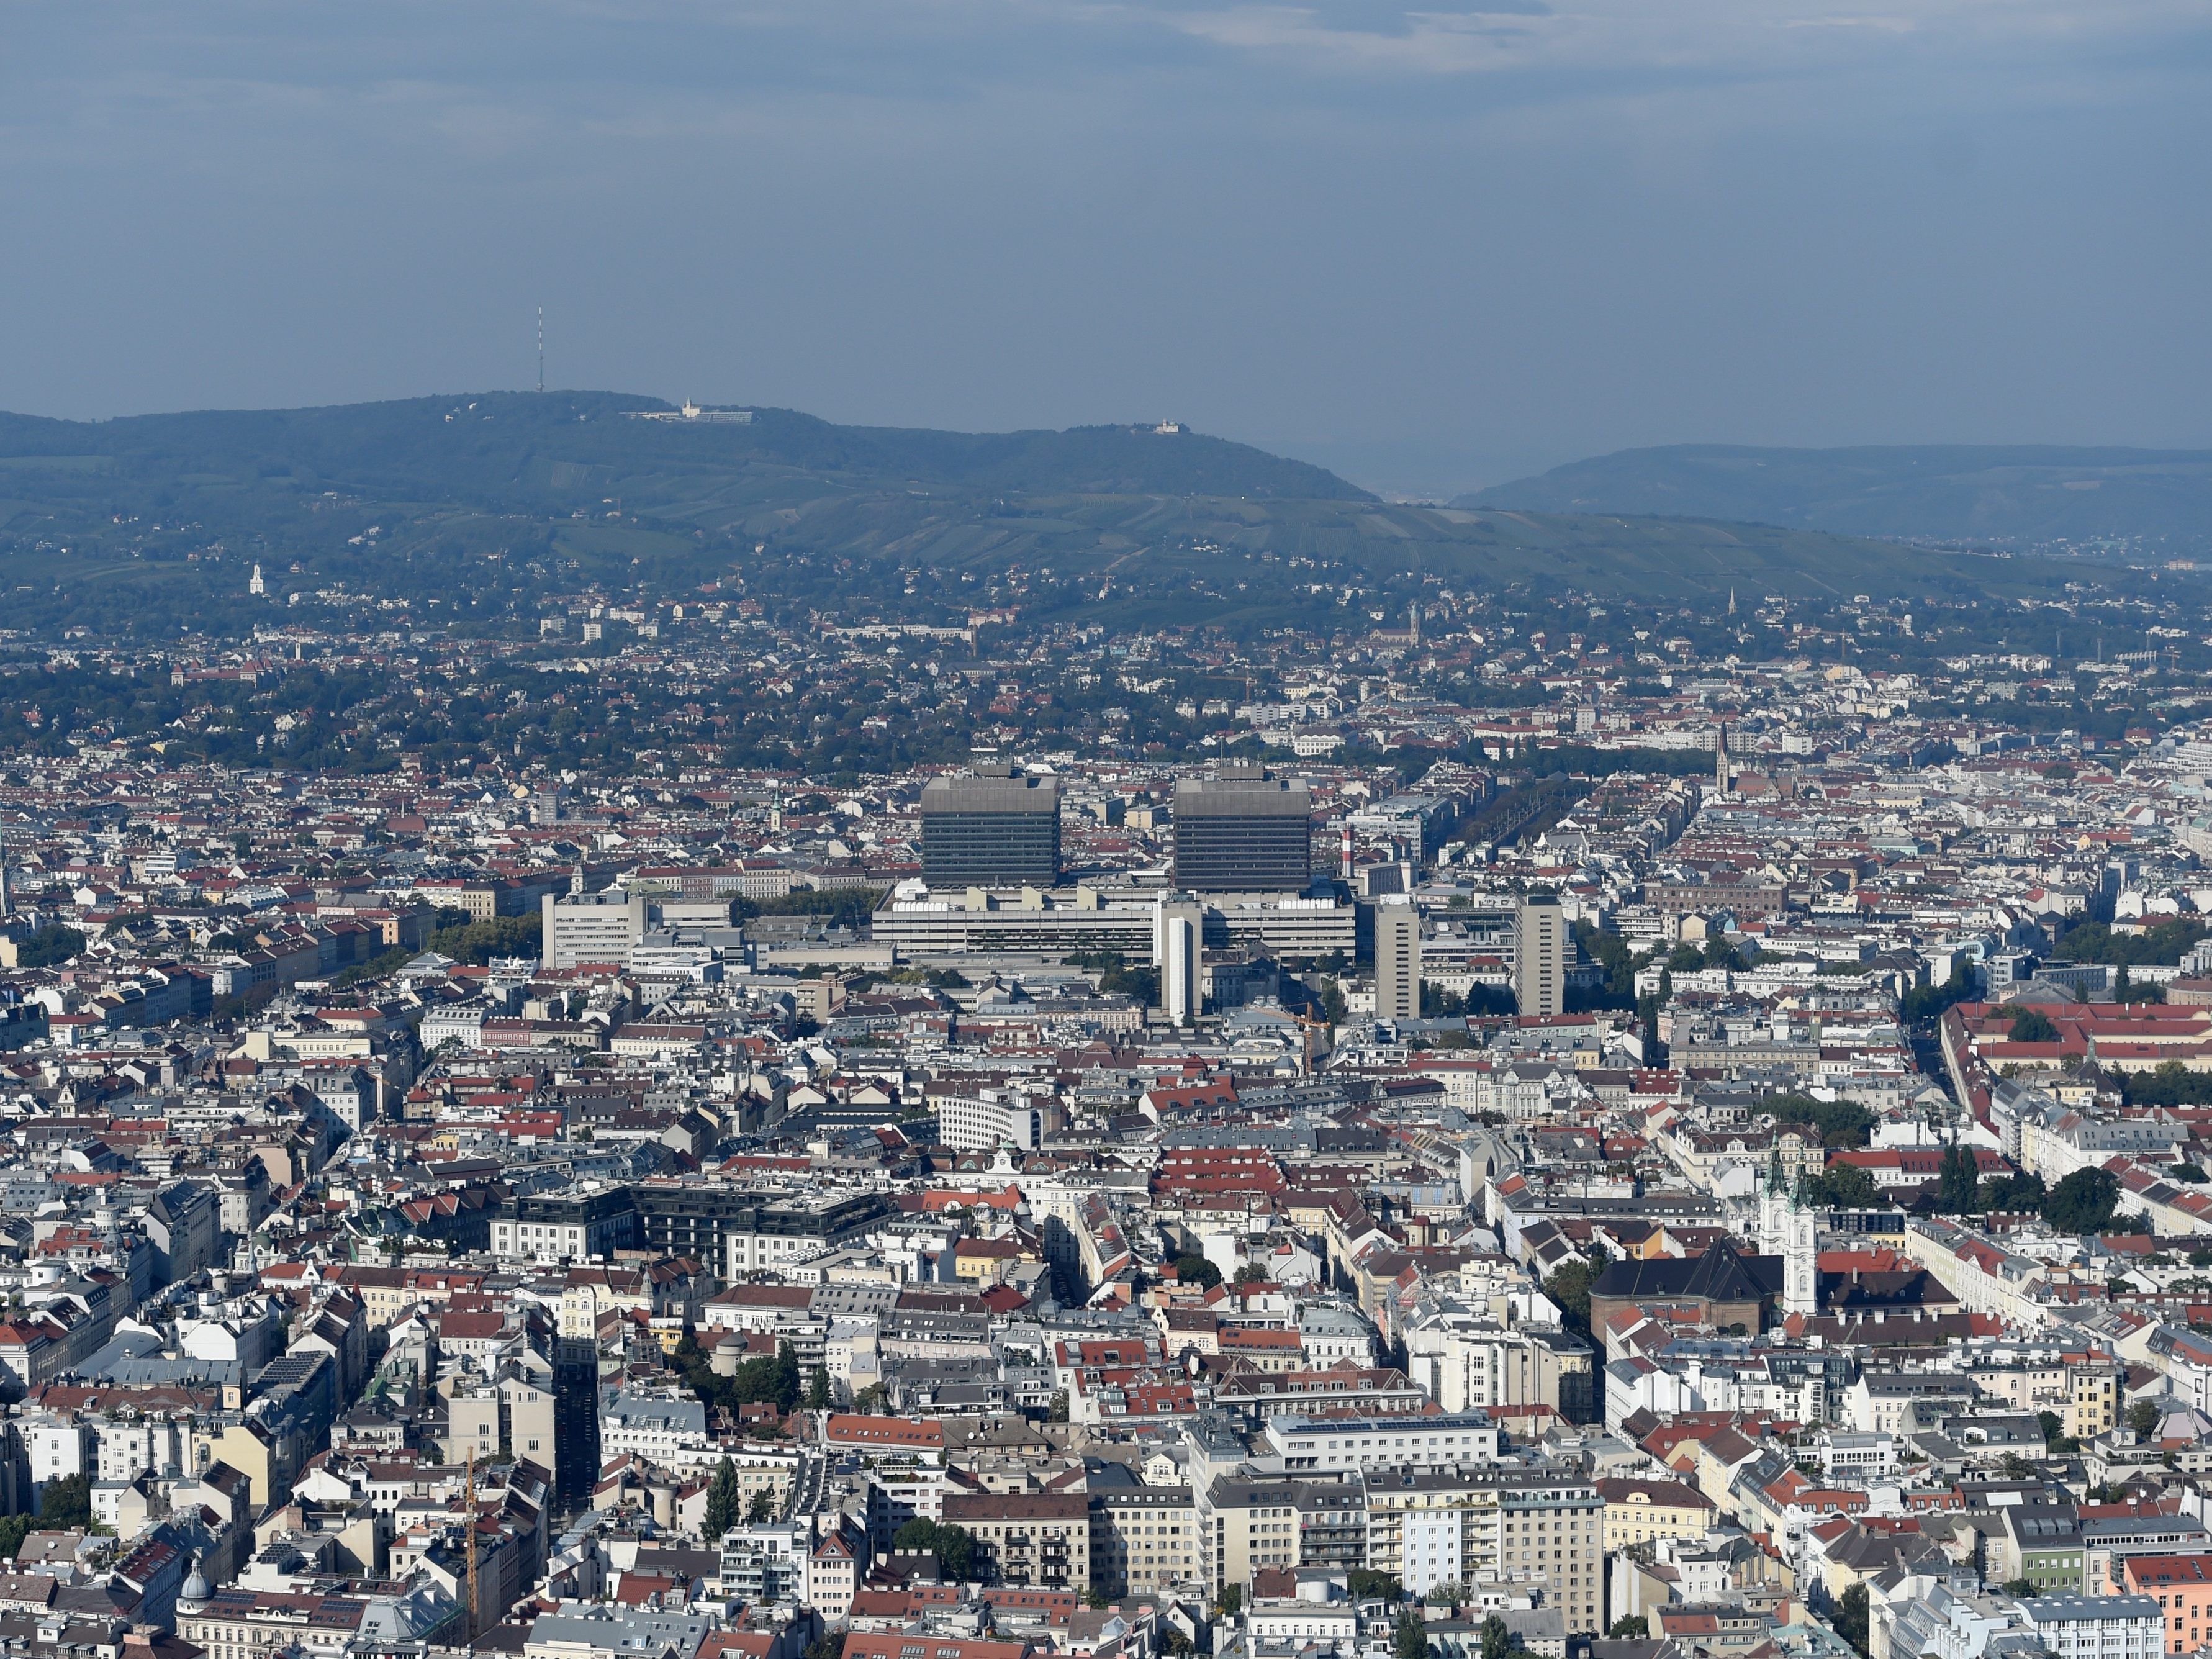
[
  {"x": 2083, "y": 1202},
  {"x": 1569, "y": 1286},
  {"x": 1195, "y": 1269},
  {"x": 769, "y": 1381},
  {"x": 1333, "y": 1006},
  {"x": 1958, "y": 1181},
  {"x": 1843, "y": 1124},
  {"x": 66, "y": 1503},
  {"x": 724, "y": 1500},
  {"x": 478, "y": 942},
  {"x": 2168, "y": 1084},
  {"x": 954, "y": 1546},
  {"x": 1842, "y": 1186},
  {"x": 1928, "y": 1001},
  {"x": 1611, "y": 953},
  {"x": 2033, "y": 1025},
  {"x": 2163, "y": 945},
  {"x": 2011, "y": 1192},
  {"x": 47, "y": 946},
  {"x": 1852, "y": 1621}
]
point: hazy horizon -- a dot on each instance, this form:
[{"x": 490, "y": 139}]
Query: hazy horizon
[
  {"x": 1360, "y": 464},
  {"x": 1431, "y": 251}
]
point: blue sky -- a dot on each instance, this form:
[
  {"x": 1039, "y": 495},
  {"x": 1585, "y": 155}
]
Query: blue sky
[{"x": 1433, "y": 248}]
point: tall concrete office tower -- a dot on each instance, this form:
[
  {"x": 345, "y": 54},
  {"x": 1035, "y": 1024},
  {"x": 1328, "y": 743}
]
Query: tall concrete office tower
[
  {"x": 1243, "y": 830},
  {"x": 1540, "y": 955},
  {"x": 1397, "y": 959},
  {"x": 998, "y": 828},
  {"x": 580, "y": 927},
  {"x": 1178, "y": 933}
]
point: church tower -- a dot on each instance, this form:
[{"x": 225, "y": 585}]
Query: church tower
[
  {"x": 1773, "y": 1211},
  {"x": 1801, "y": 1261},
  {"x": 1721, "y": 760}
]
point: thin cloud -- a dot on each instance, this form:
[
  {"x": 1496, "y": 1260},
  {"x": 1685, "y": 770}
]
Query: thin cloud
[
  {"x": 1446, "y": 43},
  {"x": 1883, "y": 25},
  {"x": 1627, "y": 35}
]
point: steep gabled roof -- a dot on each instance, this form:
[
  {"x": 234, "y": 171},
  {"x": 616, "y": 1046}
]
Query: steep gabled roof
[{"x": 1721, "y": 1274}]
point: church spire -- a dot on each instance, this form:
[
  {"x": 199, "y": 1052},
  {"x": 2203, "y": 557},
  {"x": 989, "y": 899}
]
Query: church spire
[{"x": 1800, "y": 1259}]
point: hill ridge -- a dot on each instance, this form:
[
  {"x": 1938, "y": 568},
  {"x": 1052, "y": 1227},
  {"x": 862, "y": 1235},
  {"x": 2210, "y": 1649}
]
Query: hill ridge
[
  {"x": 500, "y": 508},
  {"x": 1122, "y": 457},
  {"x": 2064, "y": 496}
]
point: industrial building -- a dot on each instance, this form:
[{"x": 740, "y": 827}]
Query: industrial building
[{"x": 1051, "y": 926}]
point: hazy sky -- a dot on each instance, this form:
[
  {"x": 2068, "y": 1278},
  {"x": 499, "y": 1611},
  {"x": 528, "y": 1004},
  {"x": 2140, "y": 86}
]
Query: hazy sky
[{"x": 1431, "y": 247}]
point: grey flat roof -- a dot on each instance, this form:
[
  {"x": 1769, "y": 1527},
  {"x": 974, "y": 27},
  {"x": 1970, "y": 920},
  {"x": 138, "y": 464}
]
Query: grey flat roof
[
  {"x": 2055, "y": 1609},
  {"x": 1017, "y": 795},
  {"x": 1206, "y": 798}
]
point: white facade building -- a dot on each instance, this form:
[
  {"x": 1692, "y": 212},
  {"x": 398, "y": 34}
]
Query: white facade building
[
  {"x": 975, "y": 1125},
  {"x": 1431, "y": 1548},
  {"x": 578, "y": 928},
  {"x": 1178, "y": 932},
  {"x": 1369, "y": 1443},
  {"x": 2097, "y": 1626}
]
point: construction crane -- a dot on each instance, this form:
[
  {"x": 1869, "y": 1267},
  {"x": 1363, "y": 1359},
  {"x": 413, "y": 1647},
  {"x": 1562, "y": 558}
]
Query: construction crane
[
  {"x": 1309, "y": 1047},
  {"x": 469, "y": 1503}
]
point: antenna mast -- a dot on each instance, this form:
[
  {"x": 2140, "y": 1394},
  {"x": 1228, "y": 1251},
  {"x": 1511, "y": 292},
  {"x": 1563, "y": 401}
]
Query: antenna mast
[{"x": 541, "y": 348}]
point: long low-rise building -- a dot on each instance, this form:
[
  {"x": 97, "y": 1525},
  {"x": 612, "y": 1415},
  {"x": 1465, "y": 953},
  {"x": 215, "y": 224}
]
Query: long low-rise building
[
  {"x": 2106, "y": 1627},
  {"x": 1053, "y": 923},
  {"x": 733, "y": 1230},
  {"x": 1984, "y": 1278},
  {"x": 1335, "y": 1445}
]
